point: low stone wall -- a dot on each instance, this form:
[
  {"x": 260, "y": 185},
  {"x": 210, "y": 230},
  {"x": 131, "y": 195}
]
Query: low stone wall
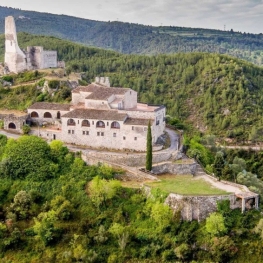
[
  {"x": 199, "y": 207},
  {"x": 129, "y": 159},
  {"x": 174, "y": 168}
]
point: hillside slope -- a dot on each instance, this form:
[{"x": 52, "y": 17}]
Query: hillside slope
[
  {"x": 216, "y": 93},
  {"x": 137, "y": 39}
]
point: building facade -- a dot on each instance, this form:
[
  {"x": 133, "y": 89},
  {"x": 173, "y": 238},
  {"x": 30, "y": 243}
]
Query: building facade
[{"x": 101, "y": 116}]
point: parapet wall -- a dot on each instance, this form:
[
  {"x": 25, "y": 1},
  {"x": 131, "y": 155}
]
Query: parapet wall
[{"x": 128, "y": 159}]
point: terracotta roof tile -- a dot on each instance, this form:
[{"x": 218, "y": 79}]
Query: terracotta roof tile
[
  {"x": 99, "y": 92},
  {"x": 96, "y": 114},
  {"x": 49, "y": 106}
]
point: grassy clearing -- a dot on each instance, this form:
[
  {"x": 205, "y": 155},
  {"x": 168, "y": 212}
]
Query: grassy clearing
[{"x": 185, "y": 185}]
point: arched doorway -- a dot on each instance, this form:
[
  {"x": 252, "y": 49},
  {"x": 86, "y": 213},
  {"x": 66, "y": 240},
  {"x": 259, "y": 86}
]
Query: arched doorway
[{"x": 11, "y": 125}]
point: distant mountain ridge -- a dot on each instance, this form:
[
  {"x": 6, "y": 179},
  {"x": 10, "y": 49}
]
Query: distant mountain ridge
[{"x": 137, "y": 39}]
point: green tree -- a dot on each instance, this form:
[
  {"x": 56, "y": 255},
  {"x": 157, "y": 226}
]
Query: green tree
[
  {"x": 219, "y": 164},
  {"x": 122, "y": 233},
  {"x": 28, "y": 156},
  {"x": 26, "y": 129},
  {"x": 215, "y": 224},
  {"x": 149, "y": 148},
  {"x": 44, "y": 227},
  {"x": 101, "y": 190}
]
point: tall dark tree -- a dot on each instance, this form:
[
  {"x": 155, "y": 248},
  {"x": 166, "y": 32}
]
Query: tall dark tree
[{"x": 149, "y": 154}]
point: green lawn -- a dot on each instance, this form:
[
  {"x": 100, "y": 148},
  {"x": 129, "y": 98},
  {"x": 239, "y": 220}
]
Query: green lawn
[{"x": 185, "y": 185}]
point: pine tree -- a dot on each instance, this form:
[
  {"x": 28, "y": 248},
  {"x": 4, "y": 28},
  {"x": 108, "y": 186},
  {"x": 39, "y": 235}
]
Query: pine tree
[{"x": 149, "y": 153}]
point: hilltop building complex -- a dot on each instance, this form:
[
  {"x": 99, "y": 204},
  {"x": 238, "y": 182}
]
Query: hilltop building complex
[{"x": 98, "y": 116}]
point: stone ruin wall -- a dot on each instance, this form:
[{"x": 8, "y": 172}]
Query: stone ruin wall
[{"x": 199, "y": 207}]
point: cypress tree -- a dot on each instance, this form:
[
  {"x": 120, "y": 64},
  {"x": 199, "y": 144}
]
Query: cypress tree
[{"x": 149, "y": 154}]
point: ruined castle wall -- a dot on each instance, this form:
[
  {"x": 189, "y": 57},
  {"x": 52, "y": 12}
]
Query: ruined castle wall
[
  {"x": 49, "y": 59},
  {"x": 15, "y": 58},
  {"x": 35, "y": 55},
  {"x": 198, "y": 207}
]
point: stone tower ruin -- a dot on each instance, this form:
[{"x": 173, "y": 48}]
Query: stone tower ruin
[
  {"x": 15, "y": 58},
  {"x": 34, "y": 57}
]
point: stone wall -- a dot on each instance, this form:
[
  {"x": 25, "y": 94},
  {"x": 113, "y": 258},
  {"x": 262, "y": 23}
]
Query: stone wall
[
  {"x": 133, "y": 160},
  {"x": 199, "y": 207},
  {"x": 14, "y": 123},
  {"x": 49, "y": 58},
  {"x": 174, "y": 168}
]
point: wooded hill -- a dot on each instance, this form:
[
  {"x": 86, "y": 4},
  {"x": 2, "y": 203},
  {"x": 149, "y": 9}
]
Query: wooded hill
[
  {"x": 138, "y": 39},
  {"x": 216, "y": 93}
]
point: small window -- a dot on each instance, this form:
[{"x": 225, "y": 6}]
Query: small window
[
  {"x": 72, "y": 131},
  {"x": 102, "y": 134},
  {"x": 103, "y": 102},
  {"x": 92, "y": 122},
  {"x": 87, "y": 132},
  {"x": 69, "y": 131},
  {"x": 107, "y": 123},
  {"x": 145, "y": 128},
  {"x": 114, "y": 134},
  {"x": 98, "y": 133},
  {"x": 135, "y": 138},
  {"x": 83, "y": 132},
  {"x": 78, "y": 121},
  {"x": 124, "y": 138},
  {"x": 132, "y": 127}
]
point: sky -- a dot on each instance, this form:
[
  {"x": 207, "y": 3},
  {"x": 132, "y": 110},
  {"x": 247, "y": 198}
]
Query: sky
[{"x": 239, "y": 15}]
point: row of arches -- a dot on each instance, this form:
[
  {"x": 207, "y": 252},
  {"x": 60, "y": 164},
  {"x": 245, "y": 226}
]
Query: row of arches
[
  {"x": 99, "y": 124},
  {"x": 47, "y": 115}
]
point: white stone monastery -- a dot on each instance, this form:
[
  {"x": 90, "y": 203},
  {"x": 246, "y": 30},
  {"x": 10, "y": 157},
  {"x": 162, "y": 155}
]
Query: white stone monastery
[{"x": 98, "y": 115}]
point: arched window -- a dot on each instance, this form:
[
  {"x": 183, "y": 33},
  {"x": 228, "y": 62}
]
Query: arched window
[
  {"x": 85, "y": 123},
  {"x": 58, "y": 115},
  {"x": 71, "y": 122},
  {"x": 34, "y": 114},
  {"x": 115, "y": 125},
  {"x": 100, "y": 124},
  {"x": 11, "y": 125},
  {"x": 47, "y": 115}
]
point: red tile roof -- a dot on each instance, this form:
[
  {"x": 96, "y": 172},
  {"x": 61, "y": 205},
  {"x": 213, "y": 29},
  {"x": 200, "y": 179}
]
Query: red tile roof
[{"x": 96, "y": 114}]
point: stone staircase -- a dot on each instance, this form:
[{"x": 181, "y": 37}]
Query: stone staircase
[{"x": 199, "y": 170}]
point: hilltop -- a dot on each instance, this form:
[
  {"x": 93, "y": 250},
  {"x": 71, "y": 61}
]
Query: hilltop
[
  {"x": 215, "y": 93},
  {"x": 137, "y": 39}
]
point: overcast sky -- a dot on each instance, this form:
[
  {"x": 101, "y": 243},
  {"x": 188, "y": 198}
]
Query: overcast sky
[{"x": 239, "y": 15}]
